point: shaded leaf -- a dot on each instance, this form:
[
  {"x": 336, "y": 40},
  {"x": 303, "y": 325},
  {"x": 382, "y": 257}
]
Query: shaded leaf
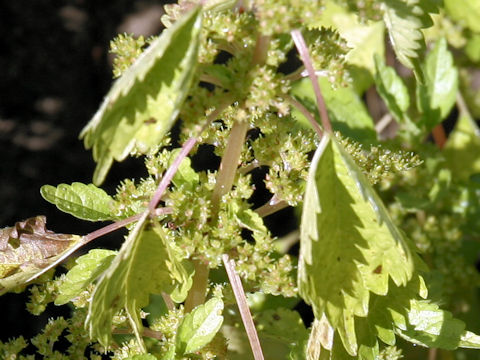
[
  {"x": 349, "y": 245},
  {"x": 199, "y": 327},
  {"x": 88, "y": 267},
  {"x": 27, "y": 248},
  {"x": 404, "y": 21},
  {"x": 86, "y": 202},
  {"x": 143, "y": 104},
  {"x": 462, "y": 149},
  {"x": 436, "y": 96},
  {"x": 145, "y": 264},
  {"x": 345, "y": 109}
]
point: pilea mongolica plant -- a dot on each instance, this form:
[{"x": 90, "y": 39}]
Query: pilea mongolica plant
[{"x": 388, "y": 205}]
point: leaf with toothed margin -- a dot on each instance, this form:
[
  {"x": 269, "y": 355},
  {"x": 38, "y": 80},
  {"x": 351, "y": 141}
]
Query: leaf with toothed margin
[
  {"x": 144, "y": 102},
  {"x": 349, "y": 246},
  {"x": 146, "y": 264},
  {"x": 86, "y": 202}
]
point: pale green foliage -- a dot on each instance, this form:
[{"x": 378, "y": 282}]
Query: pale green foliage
[
  {"x": 464, "y": 11},
  {"x": 404, "y": 21},
  {"x": 199, "y": 327},
  {"x": 86, "y": 202},
  {"x": 143, "y": 104},
  {"x": 88, "y": 267}
]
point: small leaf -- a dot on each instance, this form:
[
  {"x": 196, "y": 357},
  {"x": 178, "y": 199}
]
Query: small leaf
[
  {"x": 146, "y": 264},
  {"x": 86, "y": 202},
  {"x": 27, "y": 248},
  {"x": 349, "y": 245},
  {"x": 436, "y": 96},
  {"x": 144, "y": 102},
  {"x": 199, "y": 327},
  {"x": 462, "y": 149},
  {"x": 404, "y": 21},
  {"x": 85, "y": 272},
  {"x": 391, "y": 88},
  {"x": 430, "y": 326}
]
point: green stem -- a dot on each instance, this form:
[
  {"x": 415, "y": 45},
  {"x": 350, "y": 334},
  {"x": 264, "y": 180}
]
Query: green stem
[{"x": 196, "y": 295}]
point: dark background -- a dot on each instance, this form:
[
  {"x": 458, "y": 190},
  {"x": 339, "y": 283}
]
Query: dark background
[{"x": 54, "y": 71}]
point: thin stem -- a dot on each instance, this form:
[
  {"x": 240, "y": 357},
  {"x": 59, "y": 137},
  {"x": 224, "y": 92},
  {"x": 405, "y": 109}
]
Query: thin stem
[
  {"x": 253, "y": 165},
  {"x": 186, "y": 148},
  {"x": 196, "y": 295},
  {"x": 229, "y": 163},
  {"x": 302, "y": 73},
  {"x": 272, "y": 206},
  {"x": 305, "y": 113},
  {"x": 261, "y": 50},
  {"x": 146, "y": 332},
  {"x": 243, "y": 307},
  {"x": 303, "y": 50}
]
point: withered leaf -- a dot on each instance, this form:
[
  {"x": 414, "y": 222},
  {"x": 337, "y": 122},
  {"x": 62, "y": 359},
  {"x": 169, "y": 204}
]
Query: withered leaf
[{"x": 28, "y": 247}]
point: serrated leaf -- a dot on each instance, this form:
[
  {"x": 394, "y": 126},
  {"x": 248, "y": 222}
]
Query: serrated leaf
[
  {"x": 349, "y": 245},
  {"x": 404, "y": 21},
  {"x": 462, "y": 149},
  {"x": 467, "y": 12},
  {"x": 27, "y": 248},
  {"x": 391, "y": 88},
  {"x": 199, "y": 327},
  {"x": 430, "y": 326},
  {"x": 88, "y": 267},
  {"x": 345, "y": 109},
  {"x": 144, "y": 102},
  {"x": 436, "y": 96},
  {"x": 145, "y": 264},
  {"x": 86, "y": 202}
]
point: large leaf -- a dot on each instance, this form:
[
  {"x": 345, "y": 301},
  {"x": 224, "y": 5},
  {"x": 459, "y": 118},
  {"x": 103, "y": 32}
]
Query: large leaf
[
  {"x": 86, "y": 202},
  {"x": 436, "y": 96},
  {"x": 404, "y": 20},
  {"x": 345, "y": 109},
  {"x": 145, "y": 264},
  {"x": 463, "y": 148},
  {"x": 85, "y": 272},
  {"x": 467, "y": 12},
  {"x": 27, "y": 248},
  {"x": 199, "y": 327},
  {"x": 349, "y": 245},
  {"x": 143, "y": 104}
]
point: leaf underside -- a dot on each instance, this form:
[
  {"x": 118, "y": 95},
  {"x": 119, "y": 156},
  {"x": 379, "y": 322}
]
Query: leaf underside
[{"x": 144, "y": 102}]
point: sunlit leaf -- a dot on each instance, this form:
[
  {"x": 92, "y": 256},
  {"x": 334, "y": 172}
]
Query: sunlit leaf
[
  {"x": 27, "y": 248},
  {"x": 145, "y": 264},
  {"x": 467, "y": 12},
  {"x": 349, "y": 245},
  {"x": 404, "y": 21},
  {"x": 87, "y": 269},
  {"x": 199, "y": 327},
  {"x": 86, "y": 202},
  {"x": 144, "y": 102},
  {"x": 436, "y": 96}
]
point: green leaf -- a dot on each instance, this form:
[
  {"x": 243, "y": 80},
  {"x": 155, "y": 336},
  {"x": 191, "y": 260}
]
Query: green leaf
[
  {"x": 86, "y": 202},
  {"x": 391, "y": 88},
  {"x": 85, "y": 272},
  {"x": 144, "y": 102},
  {"x": 199, "y": 327},
  {"x": 27, "y": 248},
  {"x": 349, "y": 245},
  {"x": 467, "y": 12},
  {"x": 462, "y": 149},
  {"x": 142, "y": 357},
  {"x": 436, "y": 96},
  {"x": 345, "y": 109},
  {"x": 185, "y": 174},
  {"x": 430, "y": 326},
  {"x": 145, "y": 264},
  {"x": 404, "y": 21}
]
